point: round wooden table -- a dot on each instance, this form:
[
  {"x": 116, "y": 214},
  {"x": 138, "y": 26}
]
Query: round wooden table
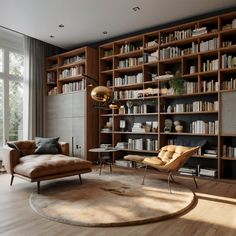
[{"x": 101, "y": 158}]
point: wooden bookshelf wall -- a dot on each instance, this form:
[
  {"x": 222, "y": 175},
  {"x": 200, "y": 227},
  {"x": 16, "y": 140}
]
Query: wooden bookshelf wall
[
  {"x": 64, "y": 71},
  {"x": 69, "y": 107},
  {"x": 138, "y": 69}
]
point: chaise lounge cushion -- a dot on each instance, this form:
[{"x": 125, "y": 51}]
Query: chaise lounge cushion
[
  {"x": 36, "y": 166},
  {"x": 46, "y": 145}
]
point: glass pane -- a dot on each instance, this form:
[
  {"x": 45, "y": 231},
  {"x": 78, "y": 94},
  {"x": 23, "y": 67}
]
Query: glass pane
[
  {"x": 1, "y": 112},
  {"x": 16, "y": 64},
  {"x": 1, "y": 60},
  {"x": 15, "y": 110}
]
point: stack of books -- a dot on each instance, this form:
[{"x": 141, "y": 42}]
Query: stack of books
[
  {"x": 138, "y": 128},
  {"x": 123, "y": 163},
  {"x": 199, "y": 31},
  {"x": 210, "y": 153},
  {"x": 208, "y": 172},
  {"x": 122, "y": 145},
  {"x": 188, "y": 171}
]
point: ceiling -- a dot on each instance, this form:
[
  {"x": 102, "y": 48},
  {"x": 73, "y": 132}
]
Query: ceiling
[{"x": 85, "y": 20}]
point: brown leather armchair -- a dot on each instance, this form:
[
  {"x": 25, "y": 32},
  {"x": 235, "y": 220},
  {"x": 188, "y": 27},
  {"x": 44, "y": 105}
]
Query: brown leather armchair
[
  {"x": 38, "y": 167},
  {"x": 170, "y": 159}
]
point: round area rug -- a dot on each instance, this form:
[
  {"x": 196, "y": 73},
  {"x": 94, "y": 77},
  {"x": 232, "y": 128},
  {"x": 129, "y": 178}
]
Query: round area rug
[{"x": 110, "y": 200}]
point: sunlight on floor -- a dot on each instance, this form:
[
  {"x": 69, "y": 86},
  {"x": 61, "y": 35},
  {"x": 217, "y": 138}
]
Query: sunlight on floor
[{"x": 213, "y": 213}]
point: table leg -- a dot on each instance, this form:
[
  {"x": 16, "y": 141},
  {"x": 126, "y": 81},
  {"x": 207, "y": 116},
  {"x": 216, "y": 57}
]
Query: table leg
[
  {"x": 110, "y": 163},
  {"x": 100, "y": 159}
]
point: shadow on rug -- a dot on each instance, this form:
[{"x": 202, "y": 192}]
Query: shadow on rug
[{"x": 110, "y": 200}]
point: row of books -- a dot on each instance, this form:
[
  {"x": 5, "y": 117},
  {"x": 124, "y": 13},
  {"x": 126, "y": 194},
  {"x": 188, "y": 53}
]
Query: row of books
[
  {"x": 228, "y": 61},
  {"x": 192, "y": 50},
  {"x": 196, "y": 106},
  {"x": 191, "y": 87},
  {"x": 210, "y": 65},
  {"x": 73, "y": 71},
  {"x": 74, "y": 59},
  {"x": 129, "y": 47},
  {"x": 229, "y": 84},
  {"x": 126, "y": 94},
  {"x": 230, "y": 25},
  {"x": 129, "y": 79},
  {"x": 204, "y": 127},
  {"x": 142, "y": 144},
  {"x": 74, "y": 86},
  {"x": 209, "y": 45},
  {"x": 129, "y": 62},
  {"x": 210, "y": 86},
  {"x": 183, "y": 34},
  {"x": 51, "y": 77},
  {"x": 150, "y": 57},
  {"x": 229, "y": 151},
  {"x": 227, "y": 44},
  {"x": 108, "y": 53},
  {"x": 143, "y": 109},
  {"x": 171, "y": 52}
]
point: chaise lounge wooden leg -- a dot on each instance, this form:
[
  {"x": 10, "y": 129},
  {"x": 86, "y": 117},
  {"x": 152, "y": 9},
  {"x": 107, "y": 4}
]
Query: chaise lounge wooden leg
[
  {"x": 80, "y": 179},
  {"x": 12, "y": 177},
  {"x": 38, "y": 187}
]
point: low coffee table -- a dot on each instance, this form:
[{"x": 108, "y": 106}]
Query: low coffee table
[{"x": 101, "y": 158}]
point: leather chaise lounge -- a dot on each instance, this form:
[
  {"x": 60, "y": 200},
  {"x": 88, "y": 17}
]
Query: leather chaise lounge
[{"x": 38, "y": 167}]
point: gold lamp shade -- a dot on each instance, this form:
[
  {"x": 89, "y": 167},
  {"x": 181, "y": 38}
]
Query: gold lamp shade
[{"x": 101, "y": 94}]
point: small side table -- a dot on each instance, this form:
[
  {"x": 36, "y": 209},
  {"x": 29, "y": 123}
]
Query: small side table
[{"x": 101, "y": 158}]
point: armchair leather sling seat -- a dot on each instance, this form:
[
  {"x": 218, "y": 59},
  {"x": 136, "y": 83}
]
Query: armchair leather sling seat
[{"x": 170, "y": 159}]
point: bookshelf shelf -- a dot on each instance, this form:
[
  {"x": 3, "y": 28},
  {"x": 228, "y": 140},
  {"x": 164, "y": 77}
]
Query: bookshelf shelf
[
  {"x": 197, "y": 49},
  {"x": 189, "y": 113},
  {"x": 228, "y": 158},
  {"x": 136, "y": 150},
  {"x": 188, "y": 134}
]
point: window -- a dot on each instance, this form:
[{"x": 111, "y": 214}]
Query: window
[
  {"x": 11, "y": 88},
  {"x": 1, "y": 112},
  {"x": 1, "y": 60}
]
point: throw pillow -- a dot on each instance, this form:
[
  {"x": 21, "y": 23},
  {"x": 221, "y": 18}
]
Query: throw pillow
[
  {"x": 14, "y": 146},
  {"x": 46, "y": 145}
]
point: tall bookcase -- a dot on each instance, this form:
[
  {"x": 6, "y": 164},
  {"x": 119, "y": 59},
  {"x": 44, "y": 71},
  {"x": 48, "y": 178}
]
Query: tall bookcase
[
  {"x": 69, "y": 108},
  {"x": 138, "y": 70}
]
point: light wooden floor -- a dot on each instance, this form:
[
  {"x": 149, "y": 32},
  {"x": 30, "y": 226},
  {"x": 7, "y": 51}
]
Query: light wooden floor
[{"x": 214, "y": 214}]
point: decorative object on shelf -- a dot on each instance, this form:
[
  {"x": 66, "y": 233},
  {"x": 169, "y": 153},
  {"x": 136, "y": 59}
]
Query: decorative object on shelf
[
  {"x": 129, "y": 104},
  {"x": 192, "y": 69},
  {"x": 122, "y": 110},
  {"x": 177, "y": 83},
  {"x": 122, "y": 125},
  {"x": 169, "y": 109},
  {"x": 168, "y": 125},
  {"x": 178, "y": 126}
]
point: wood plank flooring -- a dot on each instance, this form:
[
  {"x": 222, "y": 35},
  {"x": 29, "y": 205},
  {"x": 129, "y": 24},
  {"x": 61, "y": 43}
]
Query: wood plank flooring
[{"x": 214, "y": 213}]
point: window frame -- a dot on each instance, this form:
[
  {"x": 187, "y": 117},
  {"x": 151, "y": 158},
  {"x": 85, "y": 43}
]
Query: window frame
[{"x": 6, "y": 77}]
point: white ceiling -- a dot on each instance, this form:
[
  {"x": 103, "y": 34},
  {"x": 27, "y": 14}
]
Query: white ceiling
[{"x": 85, "y": 20}]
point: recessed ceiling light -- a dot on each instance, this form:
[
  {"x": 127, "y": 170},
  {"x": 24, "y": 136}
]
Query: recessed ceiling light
[
  {"x": 52, "y": 36},
  {"x": 136, "y": 8},
  {"x": 61, "y": 26},
  {"x": 105, "y": 32}
]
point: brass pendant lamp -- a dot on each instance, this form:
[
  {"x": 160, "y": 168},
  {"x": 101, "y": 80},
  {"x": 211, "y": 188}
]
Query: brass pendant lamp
[{"x": 102, "y": 94}]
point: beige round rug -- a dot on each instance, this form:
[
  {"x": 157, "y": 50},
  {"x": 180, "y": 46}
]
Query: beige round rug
[{"x": 110, "y": 200}]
